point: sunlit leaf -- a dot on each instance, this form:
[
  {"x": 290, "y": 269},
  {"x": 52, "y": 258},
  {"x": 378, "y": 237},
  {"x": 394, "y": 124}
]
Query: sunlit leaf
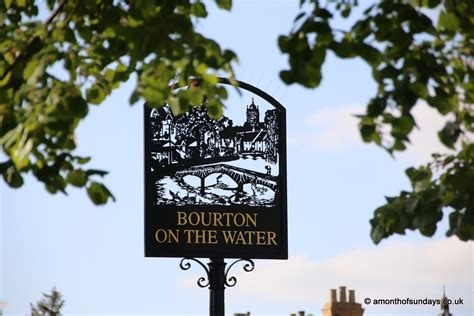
[{"x": 98, "y": 193}]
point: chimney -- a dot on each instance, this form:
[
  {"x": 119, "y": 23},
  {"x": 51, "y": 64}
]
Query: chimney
[
  {"x": 332, "y": 296},
  {"x": 352, "y": 298},
  {"x": 342, "y": 294}
]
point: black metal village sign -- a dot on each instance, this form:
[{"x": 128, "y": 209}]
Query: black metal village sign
[{"x": 217, "y": 188}]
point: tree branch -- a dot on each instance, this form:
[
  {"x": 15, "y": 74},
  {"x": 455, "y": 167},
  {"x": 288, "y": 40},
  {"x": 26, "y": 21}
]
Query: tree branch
[{"x": 33, "y": 40}]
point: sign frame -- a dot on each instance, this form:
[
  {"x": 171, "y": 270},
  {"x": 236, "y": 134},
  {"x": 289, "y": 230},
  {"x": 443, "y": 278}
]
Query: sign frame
[{"x": 278, "y": 252}]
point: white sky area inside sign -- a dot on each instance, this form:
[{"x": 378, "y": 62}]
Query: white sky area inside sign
[{"x": 94, "y": 255}]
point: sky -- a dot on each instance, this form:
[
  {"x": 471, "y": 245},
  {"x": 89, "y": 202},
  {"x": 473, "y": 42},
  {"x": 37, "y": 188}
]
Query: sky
[{"x": 95, "y": 255}]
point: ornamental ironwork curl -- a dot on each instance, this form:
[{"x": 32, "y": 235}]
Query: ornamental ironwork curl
[
  {"x": 232, "y": 281},
  {"x": 186, "y": 265}
]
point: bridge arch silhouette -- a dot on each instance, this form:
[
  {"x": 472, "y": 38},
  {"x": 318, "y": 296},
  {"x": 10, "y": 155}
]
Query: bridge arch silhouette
[{"x": 240, "y": 176}]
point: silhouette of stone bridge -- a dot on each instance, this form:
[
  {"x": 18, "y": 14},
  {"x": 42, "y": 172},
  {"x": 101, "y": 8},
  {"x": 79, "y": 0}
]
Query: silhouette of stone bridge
[{"x": 240, "y": 176}]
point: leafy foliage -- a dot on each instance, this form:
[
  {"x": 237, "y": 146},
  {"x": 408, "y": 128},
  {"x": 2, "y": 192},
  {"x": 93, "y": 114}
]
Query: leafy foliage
[
  {"x": 49, "y": 305},
  {"x": 412, "y": 59},
  {"x": 51, "y": 72}
]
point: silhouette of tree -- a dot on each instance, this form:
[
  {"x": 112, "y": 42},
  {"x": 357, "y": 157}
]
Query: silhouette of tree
[{"x": 49, "y": 305}]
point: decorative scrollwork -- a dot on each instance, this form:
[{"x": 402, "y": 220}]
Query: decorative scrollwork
[
  {"x": 232, "y": 281},
  {"x": 185, "y": 264}
]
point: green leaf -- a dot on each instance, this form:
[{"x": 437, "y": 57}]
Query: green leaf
[
  {"x": 8, "y": 3},
  {"x": 420, "y": 174},
  {"x": 21, "y": 151},
  {"x": 287, "y": 76},
  {"x": 388, "y": 72},
  {"x": 5, "y": 165},
  {"x": 77, "y": 105},
  {"x": 323, "y": 13},
  {"x": 420, "y": 178},
  {"x": 198, "y": 9},
  {"x": 402, "y": 126},
  {"x": 77, "y": 178},
  {"x": 428, "y": 3},
  {"x": 175, "y": 105},
  {"x": 367, "y": 129},
  {"x": 378, "y": 230},
  {"x": 346, "y": 12},
  {"x": 377, "y": 233},
  {"x": 376, "y": 107},
  {"x": 283, "y": 43},
  {"x": 448, "y": 21},
  {"x": 299, "y": 16},
  {"x": 98, "y": 193},
  {"x": 37, "y": 71},
  {"x": 449, "y": 134},
  {"x": 95, "y": 94},
  {"x": 30, "y": 67},
  {"x": 412, "y": 205},
  {"x": 92, "y": 172},
  {"x": 440, "y": 103},
  {"x": 224, "y": 4},
  {"x": 21, "y": 3},
  {"x": 195, "y": 96},
  {"x": 310, "y": 77},
  {"x": 318, "y": 55},
  {"x": 109, "y": 32},
  {"x": 398, "y": 146},
  {"x": 371, "y": 55},
  {"x": 324, "y": 34},
  {"x": 83, "y": 160},
  {"x": 13, "y": 178},
  {"x": 5, "y": 80},
  {"x": 215, "y": 110},
  {"x": 343, "y": 49},
  {"x": 454, "y": 222},
  {"x": 58, "y": 34},
  {"x": 422, "y": 23},
  {"x": 419, "y": 89},
  {"x": 10, "y": 138}
]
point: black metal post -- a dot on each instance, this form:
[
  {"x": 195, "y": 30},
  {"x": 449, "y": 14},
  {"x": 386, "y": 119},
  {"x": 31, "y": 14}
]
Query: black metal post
[
  {"x": 217, "y": 279},
  {"x": 216, "y": 286}
]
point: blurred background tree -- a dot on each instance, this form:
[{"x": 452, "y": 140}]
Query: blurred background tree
[
  {"x": 414, "y": 60},
  {"x": 49, "y": 305},
  {"x": 52, "y": 71}
]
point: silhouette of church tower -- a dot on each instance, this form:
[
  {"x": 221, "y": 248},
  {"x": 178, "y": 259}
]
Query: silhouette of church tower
[
  {"x": 342, "y": 307},
  {"x": 444, "y": 305},
  {"x": 253, "y": 115}
]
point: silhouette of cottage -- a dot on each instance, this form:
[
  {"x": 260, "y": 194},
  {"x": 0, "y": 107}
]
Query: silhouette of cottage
[{"x": 194, "y": 135}]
